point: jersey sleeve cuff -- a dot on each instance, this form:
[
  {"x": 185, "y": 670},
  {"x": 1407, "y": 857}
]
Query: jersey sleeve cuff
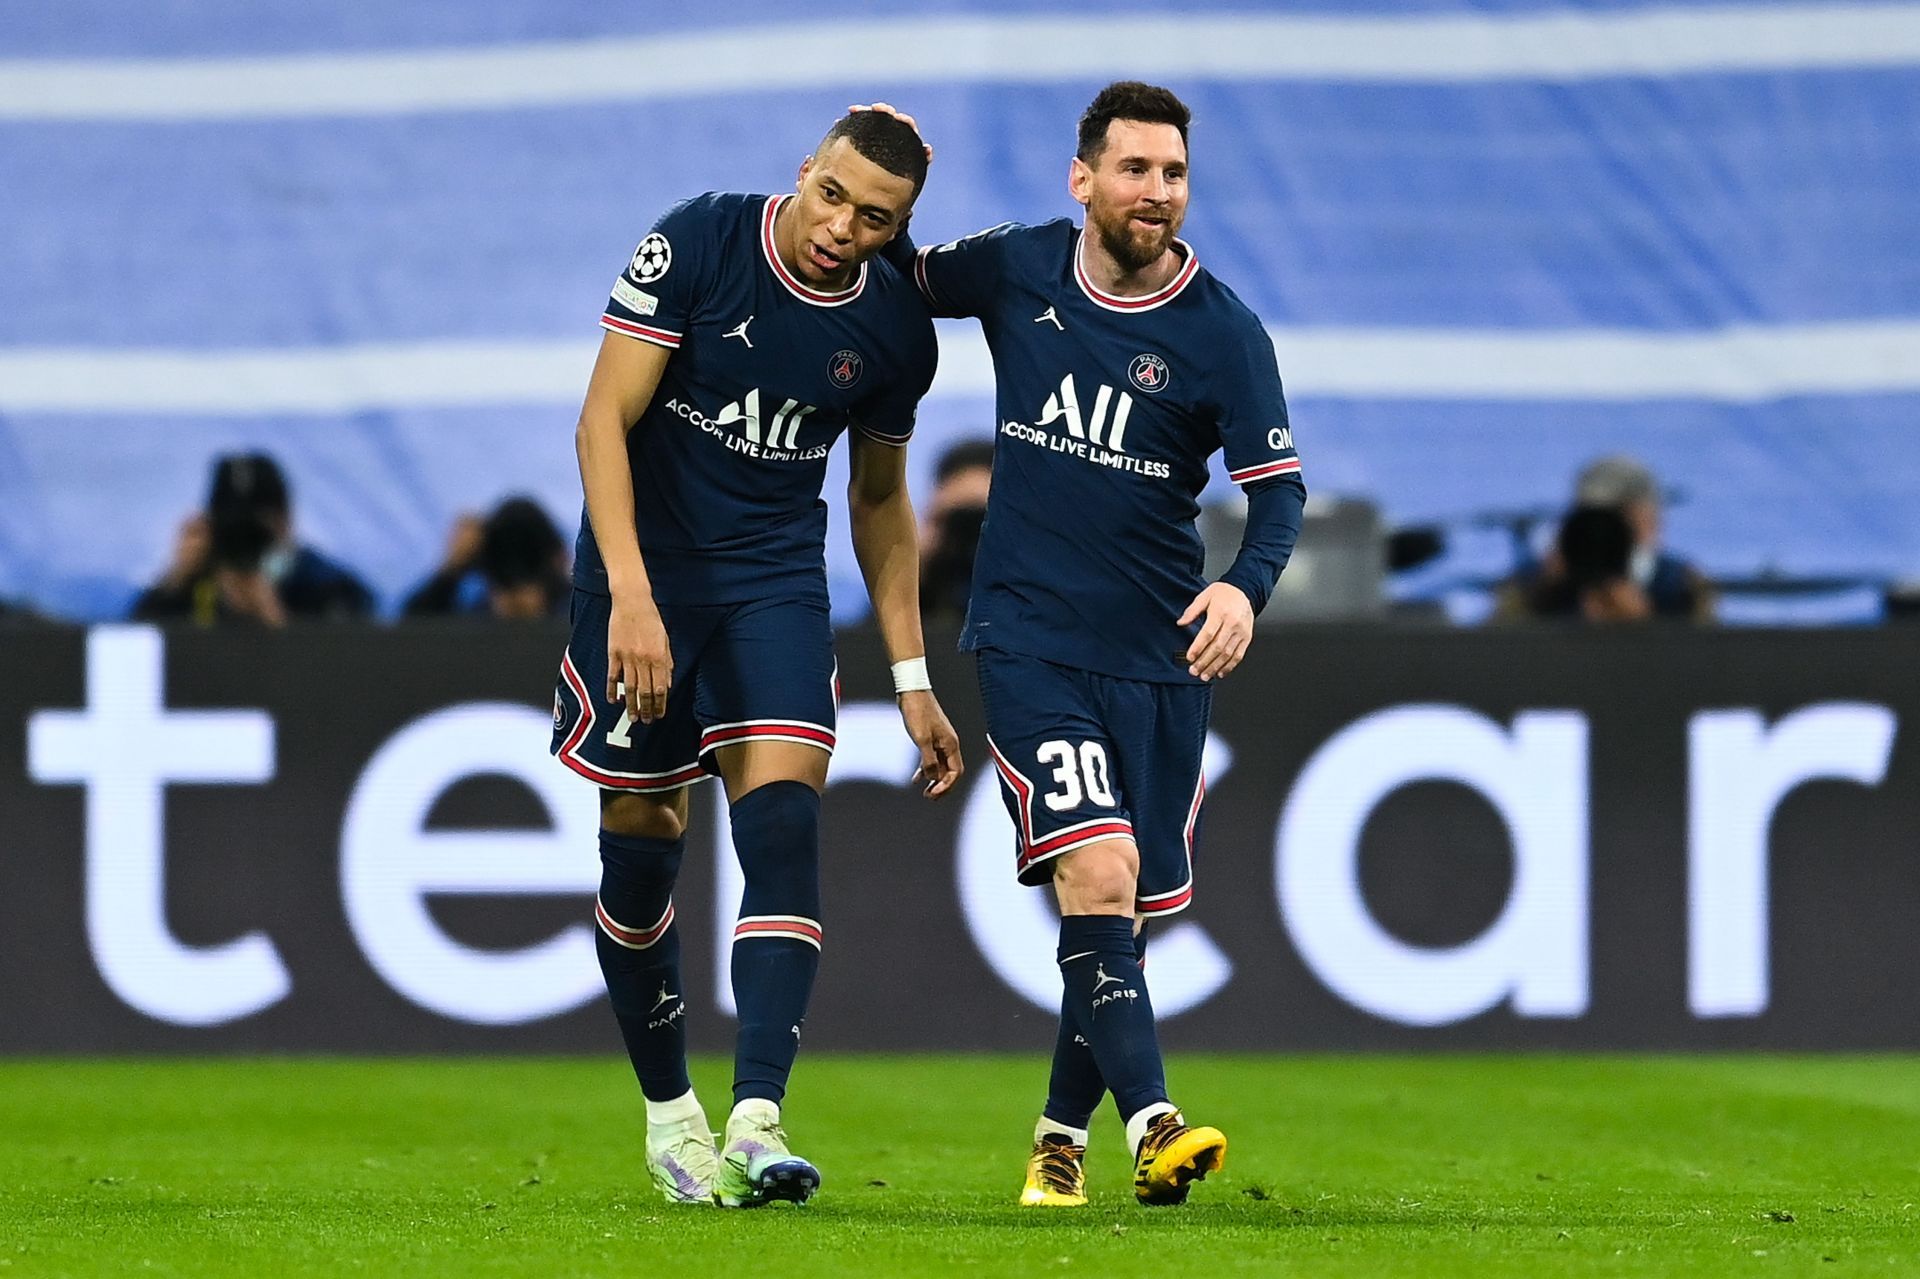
[
  {"x": 1265, "y": 470},
  {"x": 898, "y": 441},
  {"x": 646, "y": 333},
  {"x": 920, "y": 275},
  {"x": 1247, "y": 582}
]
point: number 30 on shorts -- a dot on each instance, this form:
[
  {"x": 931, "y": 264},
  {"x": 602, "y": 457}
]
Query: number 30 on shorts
[{"x": 1077, "y": 773}]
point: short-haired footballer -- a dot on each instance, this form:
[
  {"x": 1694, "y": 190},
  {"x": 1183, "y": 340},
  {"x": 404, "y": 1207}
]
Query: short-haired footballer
[{"x": 746, "y": 335}]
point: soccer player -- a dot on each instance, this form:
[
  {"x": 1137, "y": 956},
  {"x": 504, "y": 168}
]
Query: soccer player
[
  {"x": 1121, "y": 365},
  {"x": 745, "y": 335}
]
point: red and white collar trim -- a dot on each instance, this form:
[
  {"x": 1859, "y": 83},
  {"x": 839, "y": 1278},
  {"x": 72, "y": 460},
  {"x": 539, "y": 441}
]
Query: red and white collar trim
[
  {"x": 793, "y": 282},
  {"x": 1113, "y": 301}
]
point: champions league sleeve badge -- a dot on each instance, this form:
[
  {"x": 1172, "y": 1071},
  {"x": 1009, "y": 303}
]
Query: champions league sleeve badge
[{"x": 651, "y": 259}]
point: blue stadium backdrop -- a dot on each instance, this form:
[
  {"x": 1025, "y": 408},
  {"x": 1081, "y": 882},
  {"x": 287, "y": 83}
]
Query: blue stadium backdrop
[{"x": 1491, "y": 241}]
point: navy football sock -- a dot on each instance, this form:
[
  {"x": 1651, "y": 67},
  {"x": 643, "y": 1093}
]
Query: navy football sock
[
  {"x": 639, "y": 949},
  {"x": 776, "y": 943},
  {"x": 1075, "y": 1087},
  {"x": 1108, "y": 996}
]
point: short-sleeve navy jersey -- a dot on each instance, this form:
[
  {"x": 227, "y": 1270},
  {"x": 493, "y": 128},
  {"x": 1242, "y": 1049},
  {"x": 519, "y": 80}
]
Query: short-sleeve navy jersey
[
  {"x": 1108, "y": 408},
  {"x": 729, "y": 457}
]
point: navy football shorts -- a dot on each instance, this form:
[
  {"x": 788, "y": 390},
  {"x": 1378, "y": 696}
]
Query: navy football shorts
[
  {"x": 759, "y": 670},
  {"x": 1085, "y": 757}
]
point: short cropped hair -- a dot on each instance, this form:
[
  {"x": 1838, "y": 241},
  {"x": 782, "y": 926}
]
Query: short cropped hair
[
  {"x": 884, "y": 140},
  {"x": 1129, "y": 100}
]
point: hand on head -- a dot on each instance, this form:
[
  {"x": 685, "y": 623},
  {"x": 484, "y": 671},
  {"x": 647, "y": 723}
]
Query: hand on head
[{"x": 887, "y": 108}]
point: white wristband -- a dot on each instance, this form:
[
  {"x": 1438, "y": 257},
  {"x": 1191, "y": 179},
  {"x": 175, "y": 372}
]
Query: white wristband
[{"x": 910, "y": 676}]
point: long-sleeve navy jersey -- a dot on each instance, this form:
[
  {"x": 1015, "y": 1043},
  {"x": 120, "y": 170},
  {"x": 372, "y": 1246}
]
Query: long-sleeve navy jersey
[{"x": 1108, "y": 409}]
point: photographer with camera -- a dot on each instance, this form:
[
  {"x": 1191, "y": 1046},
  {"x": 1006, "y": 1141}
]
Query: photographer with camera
[
  {"x": 950, "y": 528},
  {"x": 236, "y": 561},
  {"x": 510, "y": 566}
]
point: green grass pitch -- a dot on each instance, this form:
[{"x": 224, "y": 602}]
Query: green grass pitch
[{"x": 1421, "y": 1166}]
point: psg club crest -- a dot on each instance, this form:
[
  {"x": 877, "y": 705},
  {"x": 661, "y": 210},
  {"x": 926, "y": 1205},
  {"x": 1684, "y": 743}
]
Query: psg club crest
[
  {"x": 651, "y": 259},
  {"x": 844, "y": 368},
  {"x": 1148, "y": 372}
]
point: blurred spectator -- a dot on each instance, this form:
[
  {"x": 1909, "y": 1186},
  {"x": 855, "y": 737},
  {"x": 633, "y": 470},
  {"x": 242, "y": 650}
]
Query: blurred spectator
[
  {"x": 1673, "y": 586},
  {"x": 237, "y": 560},
  {"x": 1595, "y": 583},
  {"x": 1654, "y": 583},
  {"x": 511, "y": 565},
  {"x": 1902, "y": 601},
  {"x": 950, "y": 528}
]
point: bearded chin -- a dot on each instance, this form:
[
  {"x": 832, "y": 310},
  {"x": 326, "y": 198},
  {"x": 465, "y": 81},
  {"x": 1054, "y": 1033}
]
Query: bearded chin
[{"x": 1134, "y": 251}]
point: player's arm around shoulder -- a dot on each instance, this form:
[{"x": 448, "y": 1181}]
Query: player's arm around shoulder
[
  {"x": 625, "y": 376},
  {"x": 885, "y": 541}
]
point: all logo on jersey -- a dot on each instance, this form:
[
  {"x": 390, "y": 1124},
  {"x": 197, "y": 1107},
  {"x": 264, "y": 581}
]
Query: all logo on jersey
[
  {"x": 744, "y": 428},
  {"x": 651, "y": 259},
  {"x": 1095, "y": 432},
  {"x": 845, "y": 368},
  {"x": 782, "y": 432},
  {"x": 1148, "y": 372},
  {"x": 1063, "y": 406}
]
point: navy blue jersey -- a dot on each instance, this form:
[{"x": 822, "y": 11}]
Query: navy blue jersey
[
  {"x": 766, "y": 372},
  {"x": 1108, "y": 409}
]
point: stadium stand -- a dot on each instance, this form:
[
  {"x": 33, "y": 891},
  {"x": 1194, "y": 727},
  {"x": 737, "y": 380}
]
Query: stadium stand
[{"x": 1492, "y": 243}]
